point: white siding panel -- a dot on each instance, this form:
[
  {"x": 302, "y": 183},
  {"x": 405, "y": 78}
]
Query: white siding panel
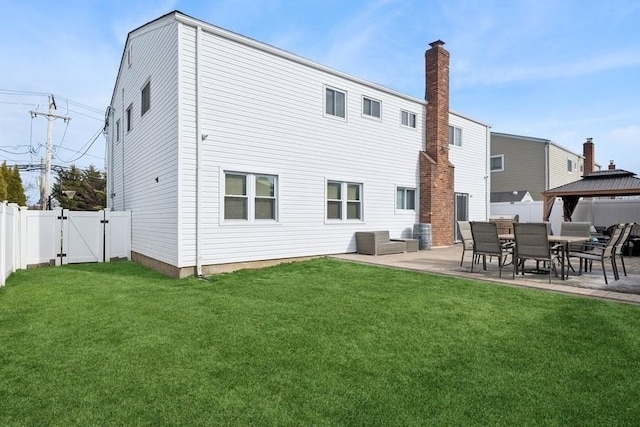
[
  {"x": 145, "y": 181},
  {"x": 471, "y": 167}
]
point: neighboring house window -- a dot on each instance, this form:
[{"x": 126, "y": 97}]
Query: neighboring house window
[
  {"x": 370, "y": 107},
  {"x": 570, "y": 165},
  {"x": 406, "y": 198},
  {"x": 250, "y": 197},
  {"x": 408, "y": 119},
  {"x": 118, "y": 130},
  {"x": 129, "y": 118},
  {"x": 335, "y": 103},
  {"x": 455, "y": 136},
  {"x": 344, "y": 200},
  {"x": 497, "y": 163},
  {"x": 146, "y": 99}
]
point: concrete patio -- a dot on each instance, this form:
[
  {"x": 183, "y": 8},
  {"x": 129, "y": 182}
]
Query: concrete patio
[{"x": 446, "y": 261}]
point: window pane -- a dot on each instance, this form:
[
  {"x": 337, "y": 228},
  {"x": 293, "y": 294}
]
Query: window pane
[
  {"x": 333, "y": 190},
  {"x": 411, "y": 199},
  {"x": 265, "y": 209},
  {"x": 412, "y": 122},
  {"x": 400, "y": 198},
  {"x": 496, "y": 163},
  {"x": 375, "y": 109},
  {"x": 235, "y": 185},
  {"x": 366, "y": 107},
  {"x": 146, "y": 99},
  {"x": 353, "y": 210},
  {"x": 334, "y": 210},
  {"x": 235, "y": 208},
  {"x": 330, "y": 106},
  {"x": 340, "y": 107},
  {"x": 405, "y": 118},
  {"x": 265, "y": 186},
  {"x": 353, "y": 192}
]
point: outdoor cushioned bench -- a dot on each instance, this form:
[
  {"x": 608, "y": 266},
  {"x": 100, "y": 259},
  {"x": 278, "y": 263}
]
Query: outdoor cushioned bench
[{"x": 378, "y": 243}]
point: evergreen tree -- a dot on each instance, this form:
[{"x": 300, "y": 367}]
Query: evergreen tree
[
  {"x": 15, "y": 190},
  {"x": 81, "y": 190},
  {"x": 5, "y": 175}
]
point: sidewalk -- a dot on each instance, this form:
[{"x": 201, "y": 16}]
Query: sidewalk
[{"x": 446, "y": 261}]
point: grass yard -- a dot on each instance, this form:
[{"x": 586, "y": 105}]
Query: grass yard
[{"x": 322, "y": 342}]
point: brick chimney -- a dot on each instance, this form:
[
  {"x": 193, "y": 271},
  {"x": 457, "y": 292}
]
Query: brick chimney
[
  {"x": 612, "y": 165},
  {"x": 436, "y": 172},
  {"x": 589, "y": 157}
]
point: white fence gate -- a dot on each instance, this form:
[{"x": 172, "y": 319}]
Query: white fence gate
[{"x": 33, "y": 238}]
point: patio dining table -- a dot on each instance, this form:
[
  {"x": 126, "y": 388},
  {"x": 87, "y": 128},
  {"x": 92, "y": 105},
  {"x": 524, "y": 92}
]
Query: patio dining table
[{"x": 563, "y": 240}]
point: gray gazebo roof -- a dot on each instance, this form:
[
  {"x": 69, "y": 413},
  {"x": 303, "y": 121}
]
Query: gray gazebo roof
[{"x": 611, "y": 182}]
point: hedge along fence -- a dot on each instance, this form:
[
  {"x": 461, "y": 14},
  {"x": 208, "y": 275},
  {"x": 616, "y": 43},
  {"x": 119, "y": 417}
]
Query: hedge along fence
[{"x": 56, "y": 237}]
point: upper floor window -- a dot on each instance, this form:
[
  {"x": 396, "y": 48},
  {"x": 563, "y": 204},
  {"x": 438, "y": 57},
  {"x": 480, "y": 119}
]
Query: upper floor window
[
  {"x": 408, "y": 119},
  {"x": 129, "y": 118},
  {"x": 455, "y": 136},
  {"x": 250, "y": 197},
  {"x": 118, "y": 130},
  {"x": 497, "y": 163},
  {"x": 145, "y": 104},
  {"x": 344, "y": 200},
  {"x": 335, "y": 103},
  {"x": 406, "y": 198},
  {"x": 370, "y": 107},
  {"x": 570, "y": 165}
]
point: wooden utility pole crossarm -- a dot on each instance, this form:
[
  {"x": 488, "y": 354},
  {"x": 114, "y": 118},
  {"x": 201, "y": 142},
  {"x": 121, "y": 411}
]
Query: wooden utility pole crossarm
[{"x": 45, "y": 184}]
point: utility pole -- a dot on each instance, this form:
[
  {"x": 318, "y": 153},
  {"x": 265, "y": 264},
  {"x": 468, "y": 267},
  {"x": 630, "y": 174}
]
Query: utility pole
[{"x": 45, "y": 182}]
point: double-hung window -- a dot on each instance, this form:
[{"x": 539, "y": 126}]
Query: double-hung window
[
  {"x": 129, "y": 118},
  {"x": 455, "y": 136},
  {"x": 335, "y": 102},
  {"x": 408, "y": 119},
  {"x": 406, "y": 198},
  {"x": 250, "y": 197},
  {"x": 344, "y": 201},
  {"x": 570, "y": 165},
  {"x": 371, "y": 107}
]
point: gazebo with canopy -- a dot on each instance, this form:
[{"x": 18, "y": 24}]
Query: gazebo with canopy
[{"x": 607, "y": 183}]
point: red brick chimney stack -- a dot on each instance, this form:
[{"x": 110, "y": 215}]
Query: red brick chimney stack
[
  {"x": 436, "y": 172},
  {"x": 589, "y": 157}
]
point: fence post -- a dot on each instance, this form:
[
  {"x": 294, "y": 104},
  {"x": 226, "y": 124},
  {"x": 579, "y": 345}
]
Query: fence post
[{"x": 3, "y": 242}]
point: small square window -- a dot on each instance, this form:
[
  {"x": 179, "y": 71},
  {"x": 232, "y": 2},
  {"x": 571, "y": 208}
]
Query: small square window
[
  {"x": 344, "y": 201},
  {"x": 497, "y": 163},
  {"x": 370, "y": 107},
  {"x": 145, "y": 104},
  {"x": 406, "y": 198},
  {"x": 455, "y": 136},
  {"x": 408, "y": 119},
  {"x": 335, "y": 103}
]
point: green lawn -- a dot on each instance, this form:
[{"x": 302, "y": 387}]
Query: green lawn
[{"x": 321, "y": 342}]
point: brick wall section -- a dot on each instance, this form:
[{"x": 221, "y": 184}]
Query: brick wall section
[
  {"x": 589, "y": 160},
  {"x": 436, "y": 172}
]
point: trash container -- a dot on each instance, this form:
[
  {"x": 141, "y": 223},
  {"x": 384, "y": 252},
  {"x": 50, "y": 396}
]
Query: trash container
[{"x": 422, "y": 232}]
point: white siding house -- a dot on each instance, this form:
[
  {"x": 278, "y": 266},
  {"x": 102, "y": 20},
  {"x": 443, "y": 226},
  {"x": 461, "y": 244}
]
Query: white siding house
[{"x": 228, "y": 151}]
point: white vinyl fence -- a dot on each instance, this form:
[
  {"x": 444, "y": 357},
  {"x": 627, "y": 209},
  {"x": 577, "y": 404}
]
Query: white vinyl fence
[
  {"x": 599, "y": 212},
  {"x": 33, "y": 238}
]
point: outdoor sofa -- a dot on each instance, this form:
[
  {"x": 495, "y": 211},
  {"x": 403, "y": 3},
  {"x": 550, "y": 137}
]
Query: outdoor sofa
[{"x": 379, "y": 243}]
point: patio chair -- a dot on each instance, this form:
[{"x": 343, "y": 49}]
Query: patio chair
[
  {"x": 467, "y": 239},
  {"x": 486, "y": 242},
  {"x": 602, "y": 253},
  {"x": 532, "y": 242},
  {"x": 577, "y": 229},
  {"x": 619, "y": 249}
]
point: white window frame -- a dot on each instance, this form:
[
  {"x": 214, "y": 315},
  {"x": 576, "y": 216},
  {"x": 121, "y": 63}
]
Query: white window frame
[
  {"x": 344, "y": 201},
  {"x": 455, "y": 136},
  {"x": 498, "y": 156},
  {"x": 326, "y": 99},
  {"x": 145, "y": 102},
  {"x": 251, "y": 198},
  {"x": 571, "y": 165},
  {"x": 409, "y": 115},
  {"x": 406, "y": 190},
  {"x": 371, "y": 101},
  {"x": 129, "y": 118}
]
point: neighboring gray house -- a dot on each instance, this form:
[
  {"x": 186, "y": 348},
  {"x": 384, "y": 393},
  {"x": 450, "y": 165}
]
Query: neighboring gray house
[{"x": 535, "y": 164}]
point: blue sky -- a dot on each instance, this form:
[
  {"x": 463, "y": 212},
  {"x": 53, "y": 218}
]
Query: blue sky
[{"x": 560, "y": 70}]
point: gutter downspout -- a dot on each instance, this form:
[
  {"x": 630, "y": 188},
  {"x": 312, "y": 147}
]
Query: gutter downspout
[
  {"x": 487, "y": 175},
  {"x": 200, "y": 137}
]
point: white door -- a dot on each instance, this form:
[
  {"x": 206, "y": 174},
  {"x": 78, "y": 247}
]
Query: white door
[{"x": 83, "y": 237}]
